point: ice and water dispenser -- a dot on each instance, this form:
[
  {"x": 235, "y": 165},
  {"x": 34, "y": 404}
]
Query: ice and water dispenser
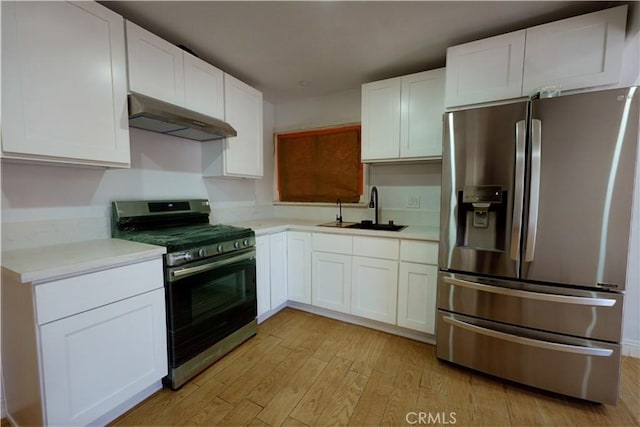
[{"x": 482, "y": 217}]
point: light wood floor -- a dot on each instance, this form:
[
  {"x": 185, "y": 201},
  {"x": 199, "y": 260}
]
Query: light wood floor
[{"x": 301, "y": 369}]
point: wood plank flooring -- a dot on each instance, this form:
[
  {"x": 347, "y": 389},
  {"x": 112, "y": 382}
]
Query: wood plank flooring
[{"x": 304, "y": 370}]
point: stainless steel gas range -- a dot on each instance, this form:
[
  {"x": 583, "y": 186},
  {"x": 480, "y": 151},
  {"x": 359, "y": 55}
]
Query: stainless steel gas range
[{"x": 210, "y": 279}]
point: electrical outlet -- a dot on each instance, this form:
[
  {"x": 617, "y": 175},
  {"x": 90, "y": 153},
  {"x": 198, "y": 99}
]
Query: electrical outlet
[{"x": 413, "y": 201}]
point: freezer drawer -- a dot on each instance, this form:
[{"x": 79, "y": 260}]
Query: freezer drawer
[
  {"x": 575, "y": 367},
  {"x": 570, "y": 311}
]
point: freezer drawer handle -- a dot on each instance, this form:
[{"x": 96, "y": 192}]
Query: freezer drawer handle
[
  {"x": 565, "y": 299},
  {"x": 575, "y": 349}
]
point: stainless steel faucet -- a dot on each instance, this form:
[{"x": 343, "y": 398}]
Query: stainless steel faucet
[
  {"x": 373, "y": 202},
  {"x": 339, "y": 216}
]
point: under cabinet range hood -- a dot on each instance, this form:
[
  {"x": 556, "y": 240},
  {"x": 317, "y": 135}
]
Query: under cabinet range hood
[{"x": 158, "y": 116}]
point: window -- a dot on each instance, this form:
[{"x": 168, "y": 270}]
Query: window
[{"x": 320, "y": 165}]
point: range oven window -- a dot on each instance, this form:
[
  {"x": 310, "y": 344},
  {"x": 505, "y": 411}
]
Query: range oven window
[{"x": 207, "y": 301}]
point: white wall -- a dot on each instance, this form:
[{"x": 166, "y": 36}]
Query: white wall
[
  {"x": 330, "y": 110},
  {"x": 45, "y": 204}
]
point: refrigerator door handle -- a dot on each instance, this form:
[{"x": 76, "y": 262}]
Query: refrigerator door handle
[
  {"x": 516, "y": 220},
  {"x": 534, "y": 198},
  {"x": 565, "y": 299},
  {"x": 547, "y": 345}
]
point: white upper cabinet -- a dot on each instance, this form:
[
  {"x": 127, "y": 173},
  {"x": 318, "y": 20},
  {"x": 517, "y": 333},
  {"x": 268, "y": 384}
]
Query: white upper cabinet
[
  {"x": 401, "y": 117},
  {"x": 485, "y": 70},
  {"x": 161, "y": 70},
  {"x": 381, "y": 119},
  {"x": 203, "y": 87},
  {"x": 64, "y": 83},
  {"x": 421, "y": 118},
  {"x": 243, "y": 110},
  {"x": 575, "y": 53},
  {"x": 239, "y": 156},
  {"x": 156, "y": 67}
]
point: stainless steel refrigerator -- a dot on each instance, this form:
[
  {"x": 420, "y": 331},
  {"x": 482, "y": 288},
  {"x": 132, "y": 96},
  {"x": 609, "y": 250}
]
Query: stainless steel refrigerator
[{"x": 535, "y": 224}]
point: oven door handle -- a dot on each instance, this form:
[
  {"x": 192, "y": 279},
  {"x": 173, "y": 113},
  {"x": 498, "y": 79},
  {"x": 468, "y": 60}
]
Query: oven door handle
[{"x": 179, "y": 273}]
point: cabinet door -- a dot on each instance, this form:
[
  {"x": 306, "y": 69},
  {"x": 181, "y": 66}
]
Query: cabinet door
[
  {"x": 64, "y": 87},
  {"x": 374, "y": 289},
  {"x": 299, "y": 266},
  {"x": 96, "y": 360},
  {"x": 278, "y": 263},
  {"x": 243, "y": 111},
  {"x": 263, "y": 275},
  {"x": 417, "y": 296},
  {"x": 421, "y": 118},
  {"x": 485, "y": 70},
  {"x": 574, "y": 53},
  {"x": 156, "y": 67},
  {"x": 331, "y": 282},
  {"x": 203, "y": 87},
  {"x": 381, "y": 119}
]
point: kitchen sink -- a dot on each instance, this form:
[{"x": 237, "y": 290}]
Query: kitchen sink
[
  {"x": 364, "y": 225},
  {"x": 337, "y": 224},
  {"x": 369, "y": 225}
]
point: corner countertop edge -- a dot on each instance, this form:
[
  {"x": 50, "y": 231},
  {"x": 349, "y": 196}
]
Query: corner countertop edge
[{"x": 47, "y": 263}]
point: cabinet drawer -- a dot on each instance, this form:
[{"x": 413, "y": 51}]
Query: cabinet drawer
[
  {"x": 420, "y": 252},
  {"x": 332, "y": 243},
  {"x": 376, "y": 247},
  {"x": 61, "y": 298}
]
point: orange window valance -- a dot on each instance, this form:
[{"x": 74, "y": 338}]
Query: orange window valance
[{"x": 320, "y": 165}]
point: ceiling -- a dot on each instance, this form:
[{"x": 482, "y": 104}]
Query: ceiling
[{"x": 301, "y": 49}]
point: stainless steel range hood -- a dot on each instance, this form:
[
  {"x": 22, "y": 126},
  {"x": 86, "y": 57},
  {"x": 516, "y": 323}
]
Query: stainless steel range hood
[{"x": 158, "y": 116}]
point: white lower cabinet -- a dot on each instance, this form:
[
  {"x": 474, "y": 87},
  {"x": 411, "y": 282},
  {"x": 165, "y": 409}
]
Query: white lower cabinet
[
  {"x": 417, "y": 285},
  {"x": 263, "y": 275},
  {"x": 283, "y": 270},
  {"x": 299, "y": 266},
  {"x": 388, "y": 280},
  {"x": 374, "y": 287},
  {"x": 417, "y": 296},
  {"x": 93, "y": 361},
  {"x": 331, "y": 282},
  {"x": 76, "y": 349},
  {"x": 278, "y": 269}
]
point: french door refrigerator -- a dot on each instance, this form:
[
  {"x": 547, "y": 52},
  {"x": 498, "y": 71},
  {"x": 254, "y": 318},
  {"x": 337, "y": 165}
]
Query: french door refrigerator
[{"x": 535, "y": 224}]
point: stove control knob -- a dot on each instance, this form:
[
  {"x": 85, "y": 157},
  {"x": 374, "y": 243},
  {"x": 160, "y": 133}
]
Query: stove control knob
[
  {"x": 220, "y": 248},
  {"x": 245, "y": 242},
  {"x": 236, "y": 244},
  {"x": 187, "y": 256},
  {"x": 202, "y": 253}
]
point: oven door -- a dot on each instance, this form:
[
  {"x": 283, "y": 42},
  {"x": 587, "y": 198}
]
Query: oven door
[{"x": 207, "y": 301}]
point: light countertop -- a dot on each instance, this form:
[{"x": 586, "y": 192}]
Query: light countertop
[
  {"x": 46, "y": 263},
  {"x": 275, "y": 225}
]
